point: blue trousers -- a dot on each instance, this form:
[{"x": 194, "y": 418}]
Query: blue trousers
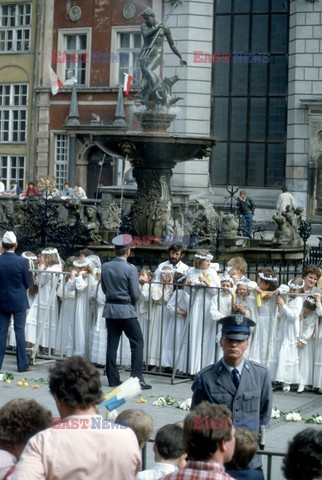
[
  {"x": 247, "y": 224},
  {"x": 132, "y": 329},
  {"x": 19, "y": 321}
]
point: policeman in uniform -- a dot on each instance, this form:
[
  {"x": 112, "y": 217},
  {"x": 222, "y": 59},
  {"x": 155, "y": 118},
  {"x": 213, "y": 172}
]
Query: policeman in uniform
[
  {"x": 243, "y": 386},
  {"x": 120, "y": 283}
]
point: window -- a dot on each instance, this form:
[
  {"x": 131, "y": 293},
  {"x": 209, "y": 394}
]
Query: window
[
  {"x": 13, "y": 113},
  {"x": 126, "y": 44},
  {"x": 15, "y": 23},
  {"x": 73, "y": 56},
  {"x": 12, "y": 167},
  {"x": 129, "y": 47},
  {"x": 61, "y": 160},
  {"x": 249, "y": 99}
]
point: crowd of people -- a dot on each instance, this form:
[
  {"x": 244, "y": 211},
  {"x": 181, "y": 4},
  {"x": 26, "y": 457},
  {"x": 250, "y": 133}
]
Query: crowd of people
[
  {"x": 178, "y": 311},
  {"x": 82, "y": 444},
  {"x": 258, "y": 331},
  {"x": 67, "y": 192}
]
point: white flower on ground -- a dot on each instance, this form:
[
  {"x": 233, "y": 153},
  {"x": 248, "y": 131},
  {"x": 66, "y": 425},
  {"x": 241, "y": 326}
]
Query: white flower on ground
[
  {"x": 318, "y": 419},
  {"x": 293, "y": 417},
  {"x": 160, "y": 402},
  {"x": 275, "y": 413},
  {"x": 1, "y": 377},
  {"x": 186, "y": 405}
]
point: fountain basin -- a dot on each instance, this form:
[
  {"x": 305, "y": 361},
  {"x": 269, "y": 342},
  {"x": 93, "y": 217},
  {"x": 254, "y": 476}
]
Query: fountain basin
[{"x": 154, "y": 150}]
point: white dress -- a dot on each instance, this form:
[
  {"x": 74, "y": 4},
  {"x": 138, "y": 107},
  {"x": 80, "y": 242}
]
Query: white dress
[
  {"x": 78, "y": 341},
  {"x": 202, "y": 328},
  {"x": 264, "y": 346},
  {"x": 160, "y": 294},
  {"x": 220, "y": 307},
  {"x": 317, "y": 374},
  {"x": 143, "y": 312},
  {"x": 12, "y": 335},
  {"x": 306, "y": 354},
  {"x": 175, "y": 332},
  {"x": 66, "y": 314},
  {"x": 42, "y": 317},
  {"x": 99, "y": 331},
  {"x": 288, "y": 333}
]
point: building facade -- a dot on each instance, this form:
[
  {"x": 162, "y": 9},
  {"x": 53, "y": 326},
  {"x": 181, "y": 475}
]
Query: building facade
[
  {"x": 18, "y": 71},
  {"x": 252, "y": 80}
]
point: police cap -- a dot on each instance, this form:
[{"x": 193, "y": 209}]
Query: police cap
[
  {"x": 123, "y": 241},
  {"x": 236, "y": 327}
]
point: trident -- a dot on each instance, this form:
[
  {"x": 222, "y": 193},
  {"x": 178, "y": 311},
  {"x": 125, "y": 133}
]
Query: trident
[{"x": 148, "y": 51}]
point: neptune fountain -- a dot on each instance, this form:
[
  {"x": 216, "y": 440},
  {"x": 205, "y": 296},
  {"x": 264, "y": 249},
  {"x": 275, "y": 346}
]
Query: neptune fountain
[{"x": 152, "y": 151}]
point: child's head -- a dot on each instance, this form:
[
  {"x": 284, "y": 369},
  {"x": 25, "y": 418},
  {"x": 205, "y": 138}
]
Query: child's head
[
  {"x": 242, "y": 289},
  {"x": 309, "y": 304},
  {"x": 51, "y": 256},
  {"x": 267, "y": 279},
  {"x": 31, "y": 258},
  {"x": 166, "y": 274},
  {"x": 83, "y": 265},
  {"x": 296, "y": 285},
  {"x": 226, "y": 283},
  {"x": 202, "y": 259},
  {"x": 140, "y": 422},
  {"x": 245, "y": 448},
  {"x": 145, "y": 275},
  {"x": 69, "y": 263},
  {"x": 168, "y": 445}
]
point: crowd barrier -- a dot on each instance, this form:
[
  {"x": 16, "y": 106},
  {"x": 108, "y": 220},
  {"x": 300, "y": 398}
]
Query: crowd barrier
[{"x": 61, "y": 323}]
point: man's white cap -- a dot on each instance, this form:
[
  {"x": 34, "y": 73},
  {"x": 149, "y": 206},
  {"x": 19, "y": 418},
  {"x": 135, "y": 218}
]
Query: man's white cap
[{"x": 9, "y": 238}]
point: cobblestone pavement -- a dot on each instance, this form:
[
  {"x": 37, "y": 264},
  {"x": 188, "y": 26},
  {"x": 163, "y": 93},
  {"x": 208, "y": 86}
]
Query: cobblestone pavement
[{"x": 277, "y": 437}]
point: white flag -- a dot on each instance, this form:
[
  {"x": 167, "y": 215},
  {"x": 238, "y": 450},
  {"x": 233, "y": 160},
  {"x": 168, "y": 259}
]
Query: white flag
[{"x": 56, "y": 84}]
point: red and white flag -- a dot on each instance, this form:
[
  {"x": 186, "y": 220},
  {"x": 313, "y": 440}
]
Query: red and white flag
[
  {"x": 128, "y": 79},
  {"x": 56, "y": 84}
]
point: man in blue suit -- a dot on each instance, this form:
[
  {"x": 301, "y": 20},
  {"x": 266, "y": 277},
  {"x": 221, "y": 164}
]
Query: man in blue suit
[{"x": 14, "y": 282}]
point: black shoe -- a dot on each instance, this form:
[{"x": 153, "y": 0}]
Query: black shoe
[
  {"x": 145, "y": 386},
  {"x": 115, "y": 384}
]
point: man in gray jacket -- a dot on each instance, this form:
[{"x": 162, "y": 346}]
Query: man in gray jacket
[{"x": 120, "y": 283}]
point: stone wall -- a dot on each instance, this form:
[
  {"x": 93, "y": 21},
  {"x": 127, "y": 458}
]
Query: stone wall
[
  {"x": 305, "y": 75},
  {"x": 191, "y": 27}
]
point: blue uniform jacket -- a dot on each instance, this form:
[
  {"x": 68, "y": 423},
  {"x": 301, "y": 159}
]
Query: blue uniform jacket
[
  {"x": 120, "y": 282},
  {"x": 250, "y": 404},
  {"x": 14, "y": 282}
]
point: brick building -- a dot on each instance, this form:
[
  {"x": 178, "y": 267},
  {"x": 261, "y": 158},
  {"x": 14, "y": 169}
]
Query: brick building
[{"x": 265, "y": 114}]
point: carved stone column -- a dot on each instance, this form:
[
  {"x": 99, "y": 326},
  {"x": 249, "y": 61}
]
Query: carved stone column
[{"x": 151, "y": 211}]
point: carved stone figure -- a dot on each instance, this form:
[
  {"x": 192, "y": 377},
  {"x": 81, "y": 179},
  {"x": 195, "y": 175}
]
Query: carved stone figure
[
  {"x": 113, "y": 217},
  {"x": 288, "y": 223},
  {"x": 229, "y": 225},
  {"x": 74, "y": 211},
  {"x": 205, "y": 221},
  {"x": 155, "y": 92}
]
